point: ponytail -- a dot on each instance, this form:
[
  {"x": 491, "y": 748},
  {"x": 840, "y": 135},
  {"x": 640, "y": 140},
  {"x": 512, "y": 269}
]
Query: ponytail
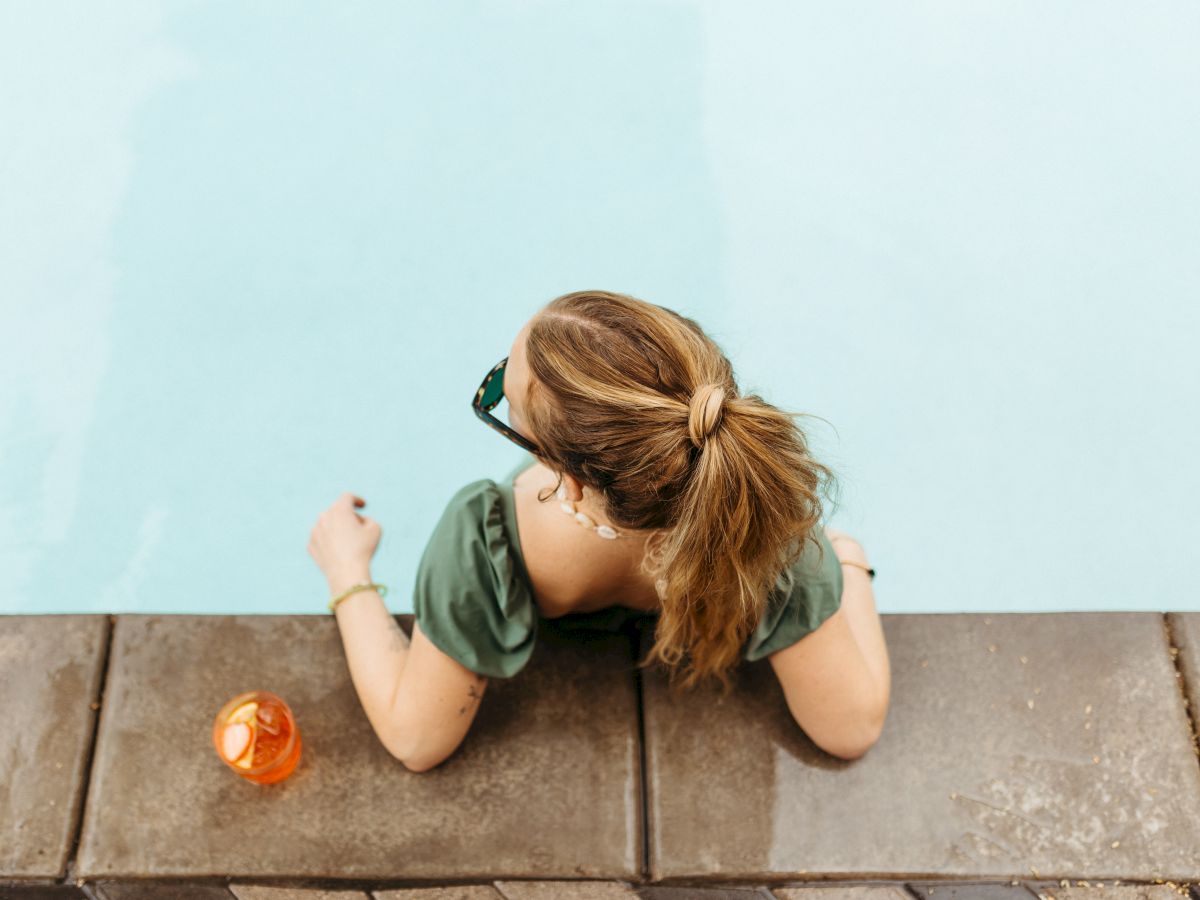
[{"x": 637, "y": 402}]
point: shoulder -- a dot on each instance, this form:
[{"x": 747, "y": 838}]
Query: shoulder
[
  {"x": 471, "y": 597},
  {"x": 807, "y": 593},
  {"x": 474, "y": 497},
  {"x": 467, "y": 522}
]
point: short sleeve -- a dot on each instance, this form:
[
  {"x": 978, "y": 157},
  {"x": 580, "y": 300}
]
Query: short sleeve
[
  {"x": 471, "y": 597},
  {"x": 806, "y": 594}
]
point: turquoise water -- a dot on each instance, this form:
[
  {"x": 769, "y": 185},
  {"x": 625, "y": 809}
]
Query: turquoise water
[{"x": 255, "y": 256}]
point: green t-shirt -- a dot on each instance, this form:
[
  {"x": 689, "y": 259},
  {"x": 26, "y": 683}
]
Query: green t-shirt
[{"x": 473, "y": 599}]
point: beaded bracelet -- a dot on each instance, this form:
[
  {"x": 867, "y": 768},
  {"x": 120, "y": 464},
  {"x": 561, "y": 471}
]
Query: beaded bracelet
[
  {"x": 381, "y": 588},
  {"x": 863, "y": 566}
]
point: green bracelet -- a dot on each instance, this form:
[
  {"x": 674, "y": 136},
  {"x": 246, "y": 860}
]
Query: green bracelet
[{"x": 381, "y": 588}]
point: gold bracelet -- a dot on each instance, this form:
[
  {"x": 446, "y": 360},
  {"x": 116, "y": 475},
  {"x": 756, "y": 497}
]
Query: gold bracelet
[
  {"x": 366, "y": 586},
  {"x": 863, "y": 566}
]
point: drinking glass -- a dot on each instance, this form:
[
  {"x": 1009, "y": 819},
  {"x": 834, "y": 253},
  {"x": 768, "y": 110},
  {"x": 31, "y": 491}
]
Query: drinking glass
[{"x": 255, "y": 734}]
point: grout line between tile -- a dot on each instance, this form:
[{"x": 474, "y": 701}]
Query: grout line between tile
[
  {"x": 1181, "y": 676},
  {"x": 638, "y": 687},
  {"x": 105, "y": 662}
]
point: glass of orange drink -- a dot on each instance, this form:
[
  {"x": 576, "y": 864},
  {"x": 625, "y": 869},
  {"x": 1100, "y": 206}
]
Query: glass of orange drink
[{"x": 255, "y": 734}]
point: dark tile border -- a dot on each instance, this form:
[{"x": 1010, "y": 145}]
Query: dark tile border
[{"x": 1186, "y": 660}]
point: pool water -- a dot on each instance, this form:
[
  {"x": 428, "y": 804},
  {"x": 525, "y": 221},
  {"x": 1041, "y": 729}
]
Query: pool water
[{"x": 253, "y": 260}]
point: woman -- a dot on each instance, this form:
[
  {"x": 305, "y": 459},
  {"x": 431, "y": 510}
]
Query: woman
[{"x": 652, "y": 489}]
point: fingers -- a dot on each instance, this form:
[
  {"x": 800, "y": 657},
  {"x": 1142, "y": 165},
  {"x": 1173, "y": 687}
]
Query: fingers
[{"x": 346, "y": 502}]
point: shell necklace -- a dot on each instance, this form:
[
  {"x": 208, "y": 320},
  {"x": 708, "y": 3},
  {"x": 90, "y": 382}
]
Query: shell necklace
[
  {"x": 605, "y": 531},
  {"x": 568, "y": 506}
]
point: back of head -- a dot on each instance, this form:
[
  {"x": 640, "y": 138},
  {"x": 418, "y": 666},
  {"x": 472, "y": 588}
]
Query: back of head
[{"x": 638, "y": 403}]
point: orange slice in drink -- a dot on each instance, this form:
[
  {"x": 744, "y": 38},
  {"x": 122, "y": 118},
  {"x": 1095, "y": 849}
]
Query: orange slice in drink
[
  {"x": 244, "y": 713},
  {"x": 236, "y": 740},
  {"x": 239, "y": 736},
  {"x": 246, "y": 760}
]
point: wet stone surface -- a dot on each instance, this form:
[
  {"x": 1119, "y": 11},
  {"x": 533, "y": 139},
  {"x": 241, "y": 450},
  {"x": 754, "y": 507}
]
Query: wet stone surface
[
  {"x": 550, "y": 766},
  {"x": 50, "y": 675},
  {"x": 1015, "y": 744}
]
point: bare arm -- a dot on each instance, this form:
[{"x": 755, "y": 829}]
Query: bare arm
[
  {"x": 858, "y": 602},
  {"x": 376, "y": 652}
]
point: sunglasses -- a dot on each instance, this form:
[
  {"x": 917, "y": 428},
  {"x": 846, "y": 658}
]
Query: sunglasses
[{"x": 489, "y": 394}]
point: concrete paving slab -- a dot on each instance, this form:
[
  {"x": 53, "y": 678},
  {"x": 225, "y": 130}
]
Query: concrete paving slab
[
  {"x": 33, "y": 891},
  {"x": 702, "y": 893},
  {"x": 457, "y": 892},
  {"x": 551, "y": 764},
  {"x": 1106, "y": 891},
  {"x": 940, "y": 890},
  {"x": 126, "y": 890},
  {"x": 265, "y": 892},
  {"x": 844, "y": 892},
  {"x": 50, "y": 676},
  {"x": 565, "y": 890},
  {"x": 1016, "y": 744}
]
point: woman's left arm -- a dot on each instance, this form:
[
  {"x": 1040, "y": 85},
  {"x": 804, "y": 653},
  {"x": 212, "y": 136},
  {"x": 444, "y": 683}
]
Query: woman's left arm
[{"x": 342, "y": 544}]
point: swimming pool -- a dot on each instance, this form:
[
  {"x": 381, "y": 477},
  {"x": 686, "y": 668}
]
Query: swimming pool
[{"x": 252, "y": 261}]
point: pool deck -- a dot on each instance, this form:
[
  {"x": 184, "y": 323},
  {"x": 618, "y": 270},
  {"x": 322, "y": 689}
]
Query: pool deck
[{"x": 1024, "y": 754}]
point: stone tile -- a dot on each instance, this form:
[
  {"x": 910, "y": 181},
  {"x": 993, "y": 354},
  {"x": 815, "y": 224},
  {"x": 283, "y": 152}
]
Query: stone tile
[
  {"x": 844, "y": 892},
  {"x": 265, "y": 892},
  {"x": 671, "y": 892},
  {"x": 1185, "y": 629},
  {"x": 454, "y": 892},
  {"x": 50, "y": 675},
  {"x": 1081, "y": 889},
  {"x": 565, "y": 890},
  {"x": 132, "y": 890},
  {"x": 941, "y": 890},
  {"x": 551, "y": 764},
  {"x": 11, "y": 890},
  {"x": 984, "y": 769}
]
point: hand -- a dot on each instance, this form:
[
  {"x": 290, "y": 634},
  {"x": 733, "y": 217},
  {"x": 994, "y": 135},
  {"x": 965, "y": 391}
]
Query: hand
[
  {"x": 343, "y": 542},
  {"x": 846, "y": 547}
]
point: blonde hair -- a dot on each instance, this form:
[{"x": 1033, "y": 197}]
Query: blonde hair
[{"x": 638, "y": 403}]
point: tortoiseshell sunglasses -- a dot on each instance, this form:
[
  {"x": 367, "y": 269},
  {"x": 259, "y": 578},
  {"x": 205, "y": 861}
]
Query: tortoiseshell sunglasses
[{"x": 489, "y": 394}]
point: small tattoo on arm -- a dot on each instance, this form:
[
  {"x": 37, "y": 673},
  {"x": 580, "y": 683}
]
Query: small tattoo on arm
[{"x": 472, "y": 694}]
